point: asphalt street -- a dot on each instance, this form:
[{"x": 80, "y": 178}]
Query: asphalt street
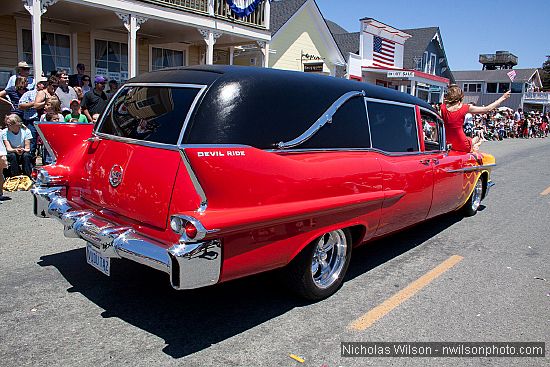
[{"x": 57, "y": 310}]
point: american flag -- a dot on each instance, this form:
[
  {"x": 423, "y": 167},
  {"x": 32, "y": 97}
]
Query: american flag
[
  {"x": 383, "y": 52},
  {"x": 511, "y": 75}
]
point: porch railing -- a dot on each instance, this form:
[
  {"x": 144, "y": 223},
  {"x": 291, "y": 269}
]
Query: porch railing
[
  {"x": 255, "y": 19},
  {"x": 219, "y": 9},
  {"x": 537, "y": 96},
  {"x": 198, "y": 6}
]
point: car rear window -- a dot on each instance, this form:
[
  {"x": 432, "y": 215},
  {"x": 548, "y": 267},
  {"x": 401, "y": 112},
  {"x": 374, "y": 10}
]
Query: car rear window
[{"x": 154, "y": 114}]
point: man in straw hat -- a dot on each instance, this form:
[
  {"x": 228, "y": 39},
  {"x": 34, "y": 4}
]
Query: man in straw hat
[{"x": 23, "y": 69}]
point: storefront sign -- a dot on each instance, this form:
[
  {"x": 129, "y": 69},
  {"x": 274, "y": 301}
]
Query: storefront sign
[
  {"x": 313, "y": 68},
  {"x": 114, "y": 76},
  {"x": 102, "y": 71},
  {"x": 400, "y": 74},
  {"x": 306, "y": 57}
]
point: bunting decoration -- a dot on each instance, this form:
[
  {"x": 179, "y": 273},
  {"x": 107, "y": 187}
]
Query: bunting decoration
[{"x": 243, "y": 8}]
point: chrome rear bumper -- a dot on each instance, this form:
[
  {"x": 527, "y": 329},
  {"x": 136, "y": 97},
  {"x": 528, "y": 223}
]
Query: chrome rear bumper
[{"x": 190, "y": 265}]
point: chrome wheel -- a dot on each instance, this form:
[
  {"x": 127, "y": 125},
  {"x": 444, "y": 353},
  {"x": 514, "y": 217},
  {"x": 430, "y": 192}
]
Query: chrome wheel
[
  {"x": 329, "y": 258},
  {"x": 476, "y": 195}
]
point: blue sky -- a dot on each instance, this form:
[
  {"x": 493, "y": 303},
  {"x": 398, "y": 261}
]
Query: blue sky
[{"x": 468, "y": 28}]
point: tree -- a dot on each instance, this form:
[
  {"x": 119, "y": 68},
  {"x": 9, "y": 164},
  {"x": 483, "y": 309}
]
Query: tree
[{"x": 545, "y": 74}]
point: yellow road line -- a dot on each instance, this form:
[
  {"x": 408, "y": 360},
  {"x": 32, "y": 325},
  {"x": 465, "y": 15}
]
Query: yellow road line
[
  {"x": 296, "y": 358},
  {"x": 388, "y": 305},
  {"x": 545, "y": 192}
]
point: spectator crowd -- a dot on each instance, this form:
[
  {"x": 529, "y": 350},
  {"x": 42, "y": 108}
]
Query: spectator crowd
[
  {"x": 58, "y": 98},
  {"x": 506, "y": 123}
]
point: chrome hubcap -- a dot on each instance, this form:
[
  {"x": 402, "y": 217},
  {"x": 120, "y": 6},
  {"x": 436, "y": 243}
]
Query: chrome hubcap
[
  {"x": 476, "y": 196},
  {"x": 329, "y": 258}
]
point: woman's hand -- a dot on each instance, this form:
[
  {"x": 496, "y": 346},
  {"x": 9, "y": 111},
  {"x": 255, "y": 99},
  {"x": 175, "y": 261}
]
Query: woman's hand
[{"x": 505, "y": 96}]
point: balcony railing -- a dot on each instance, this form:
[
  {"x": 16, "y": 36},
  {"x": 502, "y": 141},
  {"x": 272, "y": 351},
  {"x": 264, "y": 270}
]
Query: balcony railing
[
  {"x": 255, "y": 19},
  {"x": 199, "y": 6},
  {"x": 220, "y": 10},
  {"x": 540, "y": 97},
  {"x": 498, "y": 58}
]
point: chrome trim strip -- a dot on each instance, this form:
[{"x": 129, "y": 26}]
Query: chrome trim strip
[
  {"x": 189, "y": 113},
  {"x": 472, "y": 168},
  {"x": 368, "y": 120},
  {"x": 46, "y": 143},
  {"x": 369, "y": 99},
  {"x": 137, "y": 142},
  {"x": 214, "y": 146},
  {"x": 417, "y": 130},
  {"x": 374, "y": 150},
  {"x": 201, "y": 87},
  {"x": 321, "y": 121},
  {"x": 196, "y": 184},
  {"x": 428, "y": 110}
]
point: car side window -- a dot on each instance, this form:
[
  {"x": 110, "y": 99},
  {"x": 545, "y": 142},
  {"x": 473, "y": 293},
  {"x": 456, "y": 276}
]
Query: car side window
[
  {"x": 154, "y": 114},
  {"x": 393, "y": 127},
  {"x": 431, "y": 129},
  {"x": 349, "y": 129}
]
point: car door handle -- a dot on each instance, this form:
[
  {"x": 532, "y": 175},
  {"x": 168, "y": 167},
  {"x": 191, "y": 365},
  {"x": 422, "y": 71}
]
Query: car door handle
[
  {"x": 93, "y": 139},
  {"x": 425, "y": 162}
]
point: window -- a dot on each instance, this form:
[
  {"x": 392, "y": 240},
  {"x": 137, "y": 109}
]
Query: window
[
  {"x": 430, "y": 126},
  {"x": 349, "y": 129},
  {"x": 425, "y": 62},
  {"x": 393, "y": 127},
  {"x": 503, "y": 87},
  {"x": 165, "y": 58},
  {"x": 472, "y": 87},
  {"x": 111, "y": 60},
  {"x": 433, "y": 61},
  {"x": 56, "y": 50},
  {"x": 492, "y": 87},
  {"x": 154, "y": 114},
  {"x": 517, "y": 88}
]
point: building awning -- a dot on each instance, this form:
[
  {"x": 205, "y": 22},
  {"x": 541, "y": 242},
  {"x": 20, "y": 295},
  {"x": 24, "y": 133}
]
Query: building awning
[{"x": 418, "y": 76}]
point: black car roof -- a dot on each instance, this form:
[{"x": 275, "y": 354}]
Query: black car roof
[{"x": 295, "y": 82}]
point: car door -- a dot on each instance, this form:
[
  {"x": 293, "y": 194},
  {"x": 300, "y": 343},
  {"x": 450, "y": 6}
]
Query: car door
[
  {"x": 448, "y": 179},
  {"x": 405, "y": 167}
]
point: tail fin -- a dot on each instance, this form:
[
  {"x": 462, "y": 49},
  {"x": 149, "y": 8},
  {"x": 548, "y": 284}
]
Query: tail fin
[{"x": 60, "y": 138}]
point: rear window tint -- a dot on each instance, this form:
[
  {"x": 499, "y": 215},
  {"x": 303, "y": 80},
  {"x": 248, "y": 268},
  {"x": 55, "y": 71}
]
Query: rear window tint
[
  {"x": 393, "y": 128},
  {"x": 349, "y": 129},
  {"x": 154, "y": 114}
]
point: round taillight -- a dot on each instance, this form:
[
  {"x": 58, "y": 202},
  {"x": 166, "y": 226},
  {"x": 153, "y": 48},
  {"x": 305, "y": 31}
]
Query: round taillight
[
  {"x": 190, "y": 230},
  {"x": 34, "y": 174}
]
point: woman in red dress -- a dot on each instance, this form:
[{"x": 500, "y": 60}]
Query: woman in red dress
[{"x": 453, "y": 112}]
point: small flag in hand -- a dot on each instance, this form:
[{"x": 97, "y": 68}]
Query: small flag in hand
[{"x": 511, "y": 75}]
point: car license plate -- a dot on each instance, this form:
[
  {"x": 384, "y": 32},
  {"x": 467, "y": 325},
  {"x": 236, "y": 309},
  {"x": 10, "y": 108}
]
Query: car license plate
[{"x": 95, "y": 259}]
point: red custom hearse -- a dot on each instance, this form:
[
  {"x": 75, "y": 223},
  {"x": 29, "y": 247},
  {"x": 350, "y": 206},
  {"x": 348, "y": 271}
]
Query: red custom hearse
[{"x": 214, "y": 173}]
